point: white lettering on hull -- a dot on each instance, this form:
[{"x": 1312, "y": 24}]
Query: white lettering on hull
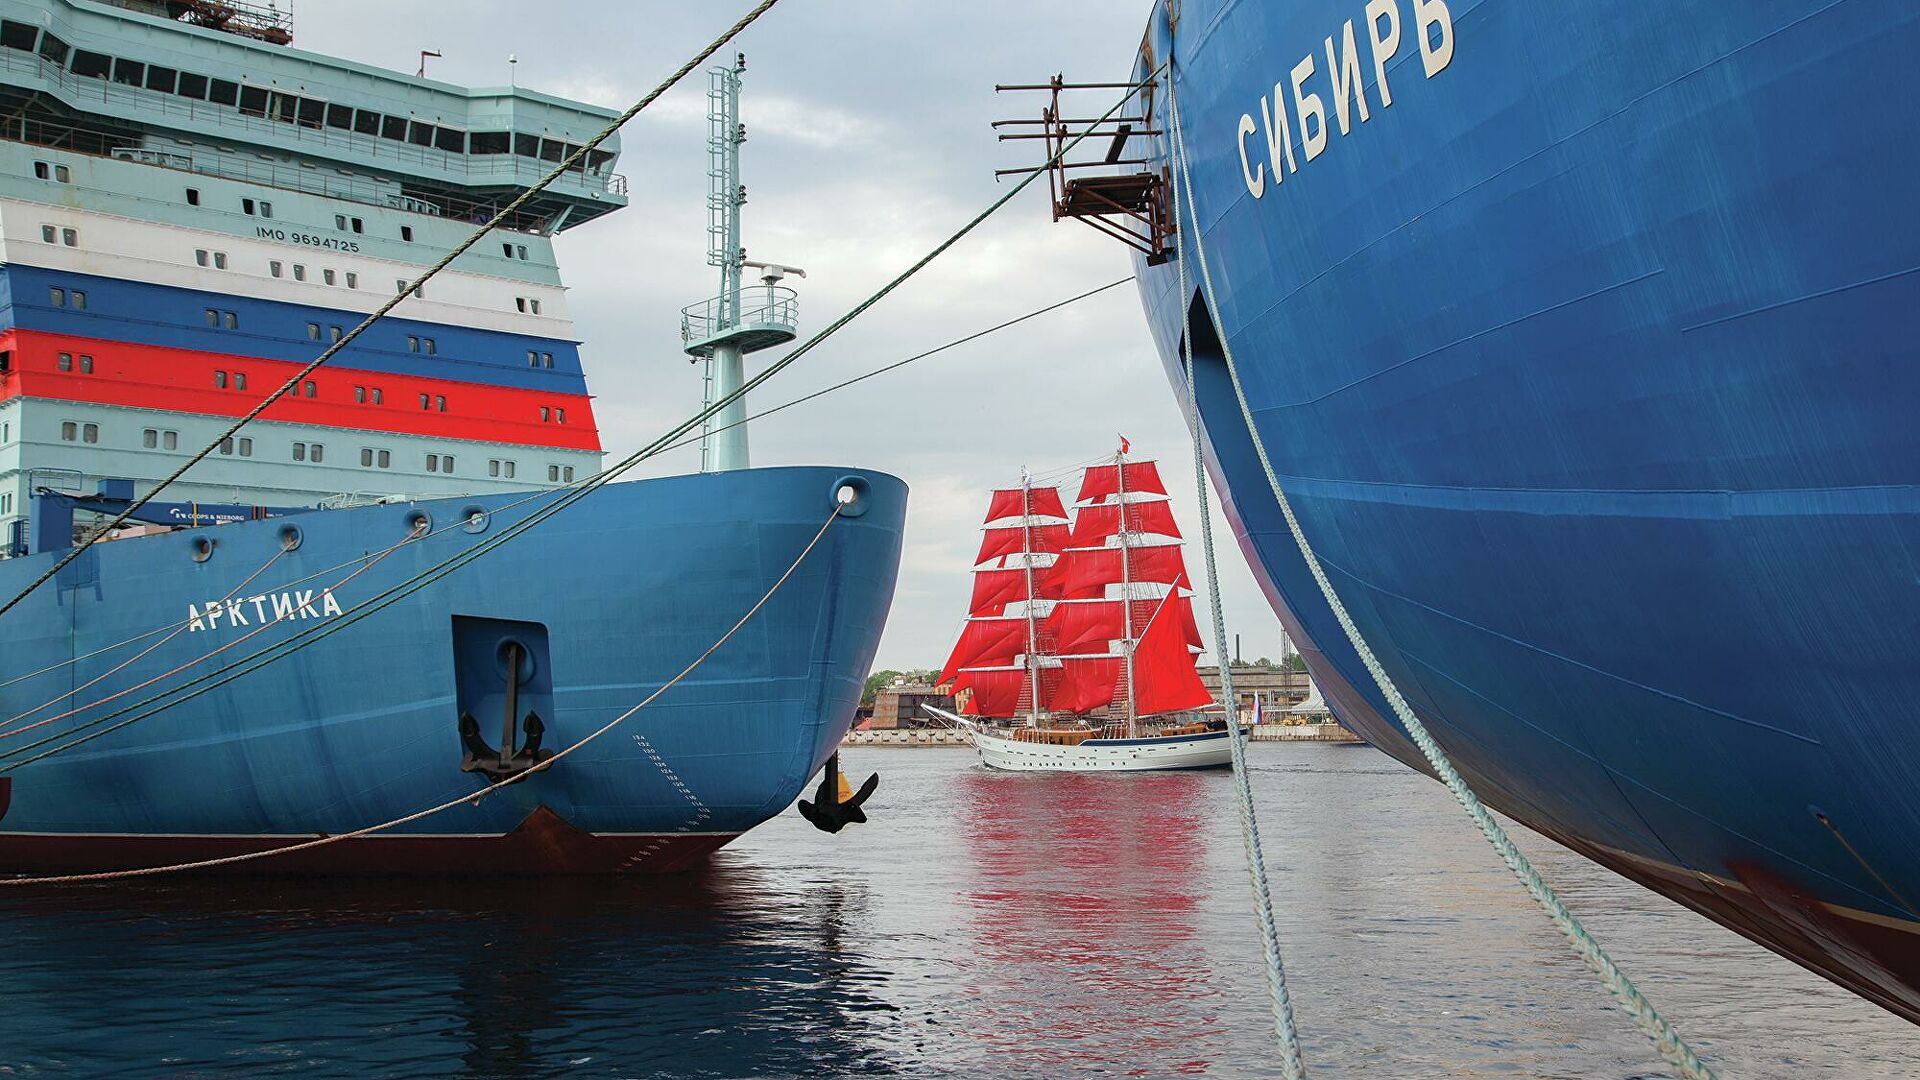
[{"x": 285, "y": 607}]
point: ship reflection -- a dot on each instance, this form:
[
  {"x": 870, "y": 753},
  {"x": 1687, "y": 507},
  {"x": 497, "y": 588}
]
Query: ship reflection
[
  {"x": 708, "y": 974},
  {"x": 1086, "y": 894}
]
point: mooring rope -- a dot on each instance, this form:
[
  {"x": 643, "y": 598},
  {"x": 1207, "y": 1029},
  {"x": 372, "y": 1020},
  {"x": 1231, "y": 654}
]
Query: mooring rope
[
  {"x": 1292, "y": 1062},
  {"x": 504, "y": 214},
  {"x": 209, "y": 681},
  {"x": 1665, "y": 1039},
  {"x": 472, "y": 798}
]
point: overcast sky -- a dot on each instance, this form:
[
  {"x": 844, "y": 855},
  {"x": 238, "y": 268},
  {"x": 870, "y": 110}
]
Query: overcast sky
[{"x": 868, "y": 144}]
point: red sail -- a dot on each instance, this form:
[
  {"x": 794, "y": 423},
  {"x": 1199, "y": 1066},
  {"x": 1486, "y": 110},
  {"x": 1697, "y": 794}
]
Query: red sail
[
  {"x": 1095, "y": 523},
  {"x": 1086, "y": 683},
  {"x": 1103, "y": 480},
  {"x": 986, "y": 642},
  {"x": 1085, "y": 572},
  {"x": 1163, "y": 675},
  {"x": 1087, "y": 625},
  {"x": 995, "y": 691},
  {"x": 993, "y": 590},
  {"x": 1039, "y": 502},
  {"x": 1009, "y": 541}
]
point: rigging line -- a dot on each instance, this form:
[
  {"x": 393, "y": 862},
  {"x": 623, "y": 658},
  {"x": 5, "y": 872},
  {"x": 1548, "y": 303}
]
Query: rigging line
[
  {"x": 896, "y": 365},
  {"x": 473, "y": 798},
  {"x": 1664, "y": 1038},
  {"x": 368, "y": 564},
  {"x": 504, "y": 214},
  {"x": 1292, "y": 1063},
  {"x": 453, "y": 562},
  {"x": 178, "y": 629}
]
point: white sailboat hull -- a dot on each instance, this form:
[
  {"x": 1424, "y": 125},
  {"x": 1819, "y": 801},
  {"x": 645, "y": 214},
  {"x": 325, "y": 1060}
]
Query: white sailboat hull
[{"x": 1208, "y": 750}]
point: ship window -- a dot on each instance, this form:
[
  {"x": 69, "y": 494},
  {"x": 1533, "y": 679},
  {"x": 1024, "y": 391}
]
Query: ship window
[
  {"x": 90, "y": 433},
  {"x": 439, "y": 403},
  {"x": 299, "y": 272},
  {"x": 400, "y": 286},
  {"x": 366, "y": 123},
  {"x": 333, "y": 333},
  {"x": 559, "y": 416},
  {"x": 360, "y": 395},
  {"x": 493, "y": 467},
  {"x": 386, "y": 459},
  {"x": 598, "y": 160},
  {"x": 309, "y": 387},
  {"x": 526, "y": 145},
  {"x": 433, "y": 462},
  {"x": 79, "y": 300},
  {"x": 546, "y": 359},
  {"x": 406, "y": 233},
  {"x": 223, "y": 92},
  {"x": 232, "y": 320},
  {"x": 150, "y": 438},
  {"x": 521, "y": 303},
  {"x": 534, "y": 303},
  {"x": 506, "y": 250},
  {"x": 266, "y": 209},
  {"x": 553, "y": 474},
  {"x": 69, "y": 431},
  {"x": 53, "y": 48},
  {"x": 393, "y": 127},
  {"x": 219, "y": 260},
  {"x": 353, "y": 279},
  {"x": 284, "y": 106},
  {"x": 200, "y": 256},
  {"x": 313, "y": 331},
  {"x": 340, "y": 222},
  {"x": 70, "y": 237},
  {"x": 274, "y": 268},
  {"x": 425, "y": 401},
  {"x": 246, "y": 447},
  {"x": 239, "y": 380},
  {"x": 427, "y": 344},
  {"x": 61, "y": 174},
  {"x": 15, "y": 35},
  {"x": 358, "y": 225},
  {"x": 49, "y": 234},
  {"x": 312, "y": 112},
  {"x": 520, "y": 251},
  {"x": 452, "y": 140},
  {"x": 446, "y": 463},
  {"x": 507, "y": 467},
  {"x": 213, "y": 318},
  {"x": 86, "y": 364},
  {"x": 64, "y": 362},
  {"x": 246, "y": 206},
  {"x": 57, "y": 296},
  {"x": 220, "y": 380},
  {"x": 552, "y": 150},
  {"x": 366, "y": 457},
  {"x": 299, "y": 451},
  {"x": 339, "y": 116},
  {"x": 193, "y": 86},
  {"x": 161, "y": 78},
  {"x": 41, "y": 171},
  {"x": 253, "y": 100},
  {"x": 567, "y": 474},
  {"x": 413, "y": 343},
  {"x": 226, "y": 446},
  {"x": 316, "y": 452},
  {"x": 533, "y": 358},
  {"x": 91, "y": 64},
  {"x": 193, "y": 196},
  {"x": 169, "y": 440},
  {"x": 129, "y": 72},
  {"x": 420, "y": 134},
  {"x": 488, "y": 142},
  {"x": 546, "y": 414},
  {"x": 327, "y": 276},
  {"x": 376, "y": 395}
]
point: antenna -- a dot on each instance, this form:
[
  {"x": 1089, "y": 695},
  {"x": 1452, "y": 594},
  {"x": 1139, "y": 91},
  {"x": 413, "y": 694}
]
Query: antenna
[
  {"x": 513, "y": 69},
  {"x": 424, "y": 53}
]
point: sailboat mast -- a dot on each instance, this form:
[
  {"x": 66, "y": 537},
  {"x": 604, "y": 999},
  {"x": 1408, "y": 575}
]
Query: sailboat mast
[
  {"x": 1026, "y": 557},
  {"x": 1126, "y": 585}
]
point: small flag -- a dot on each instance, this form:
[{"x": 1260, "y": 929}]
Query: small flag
[
  {"x": 1123, "y": 444},
  {"x": 1258, "y": 716}
]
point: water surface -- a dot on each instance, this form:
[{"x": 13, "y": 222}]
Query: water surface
[{"x": 983, "y": 924}]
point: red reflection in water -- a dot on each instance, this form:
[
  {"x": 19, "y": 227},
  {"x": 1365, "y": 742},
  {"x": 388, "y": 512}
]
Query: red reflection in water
[{"x": 1087, "y": 893}]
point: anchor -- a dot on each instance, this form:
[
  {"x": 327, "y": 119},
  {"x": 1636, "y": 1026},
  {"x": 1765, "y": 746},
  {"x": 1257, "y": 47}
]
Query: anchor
[
  {"x": 834, "y": 807},
  {"x": 505, "y": 762}
]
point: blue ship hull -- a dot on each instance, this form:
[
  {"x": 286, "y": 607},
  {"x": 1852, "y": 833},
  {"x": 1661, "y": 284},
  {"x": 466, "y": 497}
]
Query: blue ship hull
[
  {"x": 1589, "y": 366},
  {"x": 609, "y": 598}
]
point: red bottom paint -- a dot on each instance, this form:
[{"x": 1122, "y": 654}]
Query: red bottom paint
[{"x": 543, "y": 844}]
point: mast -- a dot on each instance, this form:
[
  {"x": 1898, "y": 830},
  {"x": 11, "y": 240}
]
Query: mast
[
  {"x": 1126, "y": 587},
  {"x": 1026, "y": 558}
]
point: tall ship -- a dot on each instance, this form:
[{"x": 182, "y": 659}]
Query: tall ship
[
  {"x": 1581, "y": 337},
  {"x": 1078, "y": 649},
  {"x": 190, "y": 211}
]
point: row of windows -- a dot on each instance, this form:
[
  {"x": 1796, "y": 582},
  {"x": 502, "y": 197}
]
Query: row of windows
[
  {"x": 201, "y": 257},
  {"x": 47, "y": 170},
  {"x": 6, "y": 502},
  {"x": 539, "y": 359},
  {"x": 64, "y": 362},
  {"x": 327, "y": 275},
  {"x": 245, "y": 446},
  {"x": 52, "y": 235},
  {"x": 73, "y": 431},
  {"x": 74, "y": 298},
  {"x": 285, "y": 107},
  {"x": 154, "y": 438},
  {"x": 239, "y": 380},
  {"x": 527, "y": 304},
  {"x": 315, "y": 452}
]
